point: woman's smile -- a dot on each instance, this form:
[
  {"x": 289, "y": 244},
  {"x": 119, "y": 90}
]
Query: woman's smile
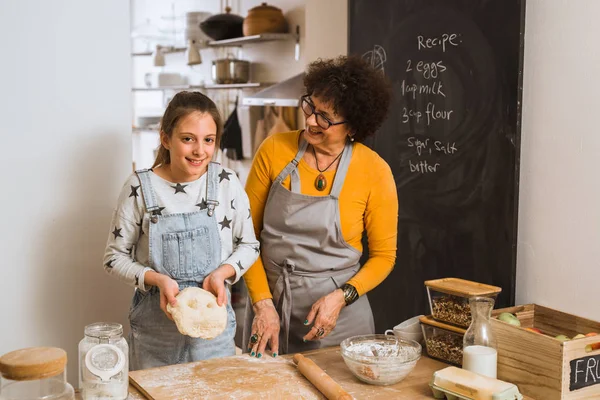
[{"x": 313, "y": 131}]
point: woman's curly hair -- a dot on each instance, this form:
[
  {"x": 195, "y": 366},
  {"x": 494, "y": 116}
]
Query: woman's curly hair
[{"x": 358, "y": 92}]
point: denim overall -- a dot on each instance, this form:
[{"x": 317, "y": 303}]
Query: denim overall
[
  {"x": 185, "y": 247},
  {"x": 305, "y": 258}
]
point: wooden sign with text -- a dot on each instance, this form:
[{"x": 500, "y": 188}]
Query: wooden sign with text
[{"x": 585, "y": 372}]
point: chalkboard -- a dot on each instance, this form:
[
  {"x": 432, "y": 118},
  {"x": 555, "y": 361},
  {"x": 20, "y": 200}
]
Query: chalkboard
[
  {"x": 585, "y": 372},
  {"x": 452, "y": 140}
]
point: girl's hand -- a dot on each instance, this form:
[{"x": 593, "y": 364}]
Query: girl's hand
[
  {"x": 325, "y": 313},
  {"x": 169, "y": 288},
  {"x": 265, "y": 329},
  {"x": 215, "y": 282}
]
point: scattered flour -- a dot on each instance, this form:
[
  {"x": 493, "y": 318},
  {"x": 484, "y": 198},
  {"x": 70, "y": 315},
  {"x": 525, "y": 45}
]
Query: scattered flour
[
  {"x": 236, "y": 377},
  {"x": 380, "y": 350}
]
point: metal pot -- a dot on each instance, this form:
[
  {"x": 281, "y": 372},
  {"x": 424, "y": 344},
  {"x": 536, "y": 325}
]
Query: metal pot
[{"x": 230, "y": 70}]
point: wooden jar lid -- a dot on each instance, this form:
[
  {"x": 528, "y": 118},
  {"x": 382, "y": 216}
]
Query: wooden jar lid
[
  {"x": 33, "y": 363},
  {"x": 462, "y": 287}
]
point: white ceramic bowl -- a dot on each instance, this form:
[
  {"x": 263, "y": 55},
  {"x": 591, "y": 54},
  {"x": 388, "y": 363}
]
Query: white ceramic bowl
[
  {"x": 416, "y": 336},
  {"x": 410, "y": 325},
  {"x": 380, "y": 359},
  {"x": 409, "y": 329}
]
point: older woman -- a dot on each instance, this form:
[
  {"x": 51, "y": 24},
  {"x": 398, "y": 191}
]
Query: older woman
[{"x": 312, "y": 195}]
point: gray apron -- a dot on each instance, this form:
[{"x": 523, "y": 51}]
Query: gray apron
[
  {"x": 185, "y": 247},
  {"x": 305, "y": 258}
]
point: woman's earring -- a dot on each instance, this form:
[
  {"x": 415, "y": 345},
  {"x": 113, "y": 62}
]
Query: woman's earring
[{"x": 351, "y": 138}]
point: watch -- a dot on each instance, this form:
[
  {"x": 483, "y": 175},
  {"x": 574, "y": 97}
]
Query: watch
[{"x": 350, "y": 293}]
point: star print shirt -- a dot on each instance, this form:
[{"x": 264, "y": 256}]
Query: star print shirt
[{"x": 127, "y": 256}]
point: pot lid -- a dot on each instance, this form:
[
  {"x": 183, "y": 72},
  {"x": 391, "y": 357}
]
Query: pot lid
[{"x": 265, "y": 7}]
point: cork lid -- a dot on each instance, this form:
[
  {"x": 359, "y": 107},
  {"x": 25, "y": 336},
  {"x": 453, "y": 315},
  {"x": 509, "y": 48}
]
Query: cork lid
[
  {"x": 33, "y": 363},
  {"x": 462, "y": 287}
]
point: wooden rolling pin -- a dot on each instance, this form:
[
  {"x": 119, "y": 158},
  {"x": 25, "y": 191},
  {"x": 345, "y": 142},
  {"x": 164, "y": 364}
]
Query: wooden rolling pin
[{"x": 320, "y": 379}]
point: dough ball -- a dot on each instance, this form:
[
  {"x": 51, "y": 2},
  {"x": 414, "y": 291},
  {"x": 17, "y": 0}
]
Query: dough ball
[{"x": 197, "y": 314}]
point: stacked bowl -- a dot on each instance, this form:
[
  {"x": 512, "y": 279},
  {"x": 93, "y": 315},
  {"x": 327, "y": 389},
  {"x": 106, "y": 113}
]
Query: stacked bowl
[{"x": 409, "y": 329}]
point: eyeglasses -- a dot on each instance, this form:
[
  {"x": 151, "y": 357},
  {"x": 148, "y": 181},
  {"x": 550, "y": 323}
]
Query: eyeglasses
[{"x": 309, "y": 109}]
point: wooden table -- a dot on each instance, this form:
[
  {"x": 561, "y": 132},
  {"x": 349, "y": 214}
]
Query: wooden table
[{"x": 244, "y": 377}]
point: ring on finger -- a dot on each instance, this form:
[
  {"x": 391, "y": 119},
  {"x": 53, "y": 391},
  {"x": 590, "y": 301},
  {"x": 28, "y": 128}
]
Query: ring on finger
[
  {"x": 320, "y": 331},
  {"x": 254, "y": 338}
]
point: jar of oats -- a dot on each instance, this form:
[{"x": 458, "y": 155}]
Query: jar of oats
[
  {"x": 443, "y": 341},
  {"x": 449, "y": 299}
]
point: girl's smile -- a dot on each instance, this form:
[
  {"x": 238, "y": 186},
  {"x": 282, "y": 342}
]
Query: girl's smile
[{"x": 191, "y": 147}]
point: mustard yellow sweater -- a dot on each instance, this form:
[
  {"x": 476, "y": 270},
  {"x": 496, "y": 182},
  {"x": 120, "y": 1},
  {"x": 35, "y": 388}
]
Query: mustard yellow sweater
[{"x": 368, "y": 200}]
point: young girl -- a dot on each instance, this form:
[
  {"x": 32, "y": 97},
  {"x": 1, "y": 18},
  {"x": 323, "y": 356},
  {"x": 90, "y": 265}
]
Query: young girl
[{"x": 185, "y": 222}]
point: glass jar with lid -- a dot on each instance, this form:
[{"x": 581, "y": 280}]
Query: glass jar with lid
[
  {"x": 103, "y": 362},
  {"x": 35, "y": 373}
]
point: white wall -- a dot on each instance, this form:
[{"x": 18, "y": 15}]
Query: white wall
[
  {"x": 65, "y": 108},
  {"x": 559, "y": 211},
  {"x": 327, "y": 29}
]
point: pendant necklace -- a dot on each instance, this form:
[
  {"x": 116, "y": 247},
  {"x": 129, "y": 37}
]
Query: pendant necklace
[{"x": 321, "y": 181}]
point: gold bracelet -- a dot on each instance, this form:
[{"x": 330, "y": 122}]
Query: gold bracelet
[{"x": 350, "y": 293}]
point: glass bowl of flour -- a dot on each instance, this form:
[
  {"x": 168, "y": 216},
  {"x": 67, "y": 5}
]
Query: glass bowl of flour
[{"x": 380, "y": 359}]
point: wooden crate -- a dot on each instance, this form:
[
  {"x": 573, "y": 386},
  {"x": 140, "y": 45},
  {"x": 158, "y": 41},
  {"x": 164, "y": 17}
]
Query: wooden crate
[{"x": 542, "y": 366}]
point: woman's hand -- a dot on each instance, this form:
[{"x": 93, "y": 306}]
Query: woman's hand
[
  {"x": 215, "y": 282},
  {"x": 324, "y": 313},
  {"x": 265, "y": 329}
]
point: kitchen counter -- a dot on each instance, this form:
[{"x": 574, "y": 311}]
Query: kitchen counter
[{"x": 244, "y": 377}]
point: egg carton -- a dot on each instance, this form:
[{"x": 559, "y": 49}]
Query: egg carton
[{"x": 455, "y": 383}]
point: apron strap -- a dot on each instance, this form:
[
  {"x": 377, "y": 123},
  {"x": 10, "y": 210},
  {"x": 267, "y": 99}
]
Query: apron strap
[
  {"x": 283, "y": 292},
  {"x": 295, "y": 180},
  {"x": 212, "y": 186},
  {"x": 340, "y": 175},
  {"x": 342, "y": 170},
  {"x": 147, "y": 190},
  {"x": 292, "y": 167}
]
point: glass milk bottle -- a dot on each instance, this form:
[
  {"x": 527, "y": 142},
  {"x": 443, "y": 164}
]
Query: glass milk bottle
[
  {"x": 103, "y": 362},
  {"x": 480, "y": 353}
]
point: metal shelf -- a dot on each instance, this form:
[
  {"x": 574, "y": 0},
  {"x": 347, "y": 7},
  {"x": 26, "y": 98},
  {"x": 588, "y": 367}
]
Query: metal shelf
[
  {"x": 240, "y": 41},
  {"x": 166, "y": 50},
  {"x": 238, "y": 85},
  {"x": 263, "y": 37},
  {"x": 141, "y": 129},
  {"x": 163, "y": 88},
  {"x": 205, "y": 87}
]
